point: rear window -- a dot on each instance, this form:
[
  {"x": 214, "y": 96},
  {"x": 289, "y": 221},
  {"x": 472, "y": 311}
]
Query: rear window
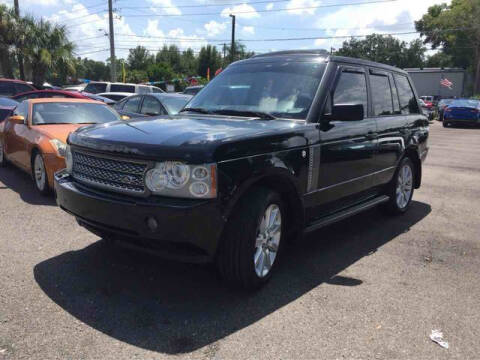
[
  {"x": 96, "y": 88},
  {"x": 122, "y": 88},
  {"x": 21, "y": 88},
  {"x": 465, "y": 103},
  {"x": 6, "y": 88},
  {"x": 408, "y": 103}
]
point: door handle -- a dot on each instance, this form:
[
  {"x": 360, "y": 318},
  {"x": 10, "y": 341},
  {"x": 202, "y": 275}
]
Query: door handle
[{"x": 371, "y": 135}]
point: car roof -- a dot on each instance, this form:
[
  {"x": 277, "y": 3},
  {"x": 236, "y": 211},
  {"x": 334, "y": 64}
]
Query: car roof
[
  {"x": 16, "y": 81},
  {"x": 53, "y": 91},
  {"x": 316, "y": 55},
  {"x": 116, "y": 93},
  {"x": 64, "y": 100},
  {"x": 170, "y": 95}
]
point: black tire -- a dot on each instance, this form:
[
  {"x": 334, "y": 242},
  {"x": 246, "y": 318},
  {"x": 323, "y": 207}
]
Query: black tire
[
  {"x": 42, "y": 189},
  {"x": 3, "y": 160},
  {"x": 394, "y": 206},
  {"x": 445, "y": 124},
  {"x": 235, "y": 257}
]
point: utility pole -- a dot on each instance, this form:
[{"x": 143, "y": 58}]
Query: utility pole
[
  {"x": 19, "y": 55},
  {"x": 232, "y": 49},
  {"x": 113, "y": 67},
  {"x": 224, "y": 51}
]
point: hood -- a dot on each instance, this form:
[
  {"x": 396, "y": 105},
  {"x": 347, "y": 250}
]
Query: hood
[
  {"x": 195, "y": 139},
  {"x": 58, "y": 131}
]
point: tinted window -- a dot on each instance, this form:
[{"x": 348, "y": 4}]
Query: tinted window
[
  {"x": 381, "y": 95},
  {"x": 408, "y": 103},
  {"x": 122, "y": 88},
  {"x": 72, "y": 113},
  {"x": 465, "y": 103},
  {"x": 21, "y": 88},
  {"x": 131, "y": 105},
  {"x": 151, "y": 106},
  {"x": 396, "y": 103},
  {"x": 6, "y": 88},
  {"x": 351, "y": 89},
  {"x": 96, "y": 88}
]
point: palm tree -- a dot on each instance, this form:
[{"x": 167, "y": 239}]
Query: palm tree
[
  {"x": 46, "y": 48},
  {"x": 8, "y": 31}
]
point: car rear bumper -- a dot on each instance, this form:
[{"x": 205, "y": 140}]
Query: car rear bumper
[{"x": 180, "y": 229}]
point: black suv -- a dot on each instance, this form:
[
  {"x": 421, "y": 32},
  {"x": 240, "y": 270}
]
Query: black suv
[{"x": 275, "y": 146}]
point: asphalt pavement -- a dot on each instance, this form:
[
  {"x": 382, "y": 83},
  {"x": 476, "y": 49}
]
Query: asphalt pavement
[{"x": 370, "y": 287}]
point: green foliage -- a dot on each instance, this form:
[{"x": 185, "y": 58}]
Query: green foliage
[
  {"x": 209, "y": 57},
  {"x": 136, "y": 76},
  {"x": 161, "y": 71},
  {"x": 385, "y": 49},
  {"x": 139, "y": 58},
  {"x": 440, "y": 59}
]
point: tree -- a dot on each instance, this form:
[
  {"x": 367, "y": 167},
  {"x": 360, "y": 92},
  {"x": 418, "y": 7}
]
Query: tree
[
  {"x": 139, "y": 58},
  {"x": 46, "y": 49},
  {"x": 8, "y": 37},
  {"x": 160, "y": 72},
  {"x": 188, "y": 63},
  {"x": 170, "y": 55},
  {"x": 454, "y": 28},
  {"x": 209, "y": 58},
  {"x": 385, "y": 49},
  {"x": 440, "y": 60},
  {"x": 240, "y": 53}
]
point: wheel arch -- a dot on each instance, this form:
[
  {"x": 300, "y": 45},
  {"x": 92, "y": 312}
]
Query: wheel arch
[{"x": 412, "y": 154}]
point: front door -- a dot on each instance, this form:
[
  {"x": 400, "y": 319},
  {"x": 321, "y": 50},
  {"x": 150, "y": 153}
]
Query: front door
[
  {"x": 347, "y": 149},
  {"x": 15, "y": 141}
]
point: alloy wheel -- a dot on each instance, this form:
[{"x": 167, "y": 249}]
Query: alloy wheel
[
  {"x": 39, "y": 172},
  {"x": 404, "y": 186},
  {"x": 268, "y": 240}
]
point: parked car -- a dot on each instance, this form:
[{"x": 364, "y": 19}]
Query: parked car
[
  {"x": 115, "y": 96},
  {"x": 98, "y": 98},
  {"x": 442, "y": 104},
  {"x": 429, "y": 100},
  {"x": 193, "y": 90},
  {"x": 462, "y": 112},
  {"x": 80, "y": 87},
  {"x": 34, "y": 137},
  {"x": 40, "y": 94},
  {"x": 152, "y": 104},
  {"x": 427, "y": 110},
  {"x": 96, "y": 87},
  {"x": 6, "y": 107},
  {"x": 11, "y": 87},
  {"x": 275, "y": 146}
]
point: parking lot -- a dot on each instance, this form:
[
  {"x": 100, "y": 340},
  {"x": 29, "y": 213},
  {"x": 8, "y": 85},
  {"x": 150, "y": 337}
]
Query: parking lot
[{"x": 360, "y": 289}]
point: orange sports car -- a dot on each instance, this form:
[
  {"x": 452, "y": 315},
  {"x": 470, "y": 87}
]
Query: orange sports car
[{"x": 34, "y": 137}]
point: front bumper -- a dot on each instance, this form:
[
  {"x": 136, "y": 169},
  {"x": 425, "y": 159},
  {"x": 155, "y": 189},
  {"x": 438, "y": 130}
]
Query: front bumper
[
  {"x": 53, "y": 163},
  {"x": 187, "y": 230}
]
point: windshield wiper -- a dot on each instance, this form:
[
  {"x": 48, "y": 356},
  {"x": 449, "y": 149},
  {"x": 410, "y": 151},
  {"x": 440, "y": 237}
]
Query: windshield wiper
[
  {"x": 197, "y": 110},
  {"x": 258, "y": 114}
]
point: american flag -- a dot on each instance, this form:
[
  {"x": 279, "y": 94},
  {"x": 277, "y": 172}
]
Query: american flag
[{"x": 447, "y": 83}]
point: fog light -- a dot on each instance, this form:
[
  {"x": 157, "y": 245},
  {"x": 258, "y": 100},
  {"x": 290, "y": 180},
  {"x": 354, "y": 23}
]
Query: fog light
[{"x": 152, "y": 223}]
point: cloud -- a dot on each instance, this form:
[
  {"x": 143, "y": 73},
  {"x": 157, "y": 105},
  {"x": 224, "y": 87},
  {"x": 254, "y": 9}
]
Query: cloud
[
  {"x": 302, "y": 7},
  {"x": 41, "y": 2},
  {"x": 182, "y": 40},
  {"x": 164, "y": 7},
  {"x": 269, "y": 6},
  {"x": 243, "y": 11},
  {"x": 248, "y": 30},
  {"x": 214, "y": 28}
]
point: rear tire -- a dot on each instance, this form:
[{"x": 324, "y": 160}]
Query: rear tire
[
  {"x": 401, "y": 188},
  {"x": 253, "y": 239},
  {"x": 39, "y": 174},
  {"x": 3, "y": 160}
]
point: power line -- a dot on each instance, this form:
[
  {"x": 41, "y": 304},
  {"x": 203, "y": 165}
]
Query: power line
[
  {"x": 269, "y": 11},
  {"x": 204, "y": 5}
]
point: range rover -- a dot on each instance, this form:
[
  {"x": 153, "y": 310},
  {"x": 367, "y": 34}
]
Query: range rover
[{"x": 273, "y": 147}]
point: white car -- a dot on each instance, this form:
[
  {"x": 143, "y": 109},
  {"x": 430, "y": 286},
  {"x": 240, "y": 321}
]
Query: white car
[
  {"x": 77, "y": 88},
  {"x": 116, "y": 96},
  {"x": 97, "y": 87}
]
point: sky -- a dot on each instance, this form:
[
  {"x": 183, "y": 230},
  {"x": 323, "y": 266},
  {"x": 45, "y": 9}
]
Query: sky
[{"x": 262, "y": 25}]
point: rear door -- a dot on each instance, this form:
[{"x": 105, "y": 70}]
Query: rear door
[{"x": 391, "y": 124}]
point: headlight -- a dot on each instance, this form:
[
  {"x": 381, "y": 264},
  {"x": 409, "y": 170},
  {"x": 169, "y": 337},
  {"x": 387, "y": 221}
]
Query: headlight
[
  {"x": 176, "y": 179},
  {"x": 68, "y": 159},
  {"x": 59, "y": 147}
]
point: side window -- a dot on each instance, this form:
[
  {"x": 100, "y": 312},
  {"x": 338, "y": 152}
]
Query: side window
[
  {"x": 381, "y": 95},
  {"x": 21, "y": 88},
  {"x": 143, "y": 89},
  {"x": 396, "y": 104},
  {"x": 351, "y": 89},
  {"x": 122, "y": 88},
  {"x": 119, "y": 105},
  {"x": 156, "y": 90},
  {"x": 151, "y": 106},
  {"x": 22, "y": 109},
  {"x": 6, "y": 88},
  {"x": 132, "y": 104},
  {"x": 408, "y": 103}
]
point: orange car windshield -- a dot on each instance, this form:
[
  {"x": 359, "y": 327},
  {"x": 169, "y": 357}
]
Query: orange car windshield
[{"x": 72, "y": 113}]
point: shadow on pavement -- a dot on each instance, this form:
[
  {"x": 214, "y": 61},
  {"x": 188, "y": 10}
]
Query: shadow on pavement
[
  {"x": 22, "y": 183},
  {"x": 177, "y": 308}
]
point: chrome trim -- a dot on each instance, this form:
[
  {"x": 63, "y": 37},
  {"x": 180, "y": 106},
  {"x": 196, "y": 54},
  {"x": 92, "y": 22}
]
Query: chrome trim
[
  {"x": 392, "y": 139},
  {"x": 351, "y": 180}
]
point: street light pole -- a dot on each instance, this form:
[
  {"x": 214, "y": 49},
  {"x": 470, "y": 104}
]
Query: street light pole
[
  {"x": 232, "y": 49},
  {"x": 113, "y": 67}
]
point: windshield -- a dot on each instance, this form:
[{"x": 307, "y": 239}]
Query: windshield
[
  {"x": 174, "y": 104},
  {"x": 465, "y": 103},
  {"x": 281, "y": 89},
  {"x": 72, "y": 113}
]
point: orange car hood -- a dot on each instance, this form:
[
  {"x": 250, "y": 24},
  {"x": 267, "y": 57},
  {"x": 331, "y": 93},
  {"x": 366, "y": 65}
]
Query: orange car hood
[{"x": 58, "y": 131}]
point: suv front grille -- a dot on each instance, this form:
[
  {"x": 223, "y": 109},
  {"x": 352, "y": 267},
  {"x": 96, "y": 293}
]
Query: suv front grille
[{"x": 118, "y": 175}]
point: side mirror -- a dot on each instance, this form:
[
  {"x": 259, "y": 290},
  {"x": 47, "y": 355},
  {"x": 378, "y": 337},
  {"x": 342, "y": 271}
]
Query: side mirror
[
  {"x": 347, "y": 112},
  {"x": 125, "y": 117},
  {"x": 17, "y": 119}
]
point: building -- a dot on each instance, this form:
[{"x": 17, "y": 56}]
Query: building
[{"x": 439, "y": 82}]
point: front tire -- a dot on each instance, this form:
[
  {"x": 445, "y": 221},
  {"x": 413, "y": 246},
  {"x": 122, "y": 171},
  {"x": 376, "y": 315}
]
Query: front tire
[
  {"x": 401, "y": 188},
  {"x": 253, "y": 239},
  {"x": 40, "y": 174}
]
